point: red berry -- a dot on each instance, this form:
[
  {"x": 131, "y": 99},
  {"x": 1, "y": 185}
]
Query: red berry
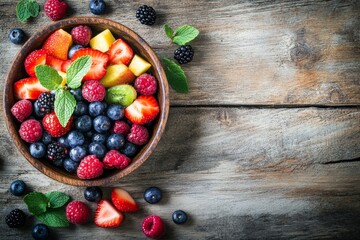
[
  {"x": 138, "y": 135},
  {"x": 115, "y": 159},
  {"x": 81, "y": 35},
  {"x": 153, "y": 227},
  {"x": 35, "y": 58},
  {"x": 77, "y": 212},
  {"x": 145, "y": 84},
  {"x": 22, "y": 110},
  {"x": 53, "y": 127},
  {"x": 31, "y": 131},
  {"x": 121, "y": 127},
  {"x": 93, "y": 91},
  {"x": 90, "y": 167},
  {"x": 55, "y": 9}
]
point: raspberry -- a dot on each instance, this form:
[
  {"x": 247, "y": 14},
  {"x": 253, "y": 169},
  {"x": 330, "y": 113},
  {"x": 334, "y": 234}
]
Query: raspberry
[
  {"x": 77, "y": 212},
  {"x": 115, "y": 159},
  {"x": 184, "y": 54},
  {"x": 31, "y": 131},
  {"x": 55, "y": 9},
  {"x": 56, "y": 151},
  {"x": 146, "y": 15},
  {"x": 145, "y": 84},
  {"x": 16, "y": 218},
  {"x": 53, "y": 127},
  {"x": 90, "y": 167},
  {"x": 45, "y": 103},
  {"x": 81, "y": 35},
  {"x": 22, "y": 110},
  {"x": 138, "y": 135},
  {"x": 93, "y": 91},
  {"x": 121, "y": 127},
  {"x": 153, "y": 227}
]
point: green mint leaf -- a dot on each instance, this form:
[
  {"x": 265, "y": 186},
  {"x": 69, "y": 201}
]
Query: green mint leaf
[
  {"x": 36, "y": 202},
  {"x": 54, "y": 217},
  {"x": 48, "y": 77},
  {"x": 169, "y": 32},
  {"x": 22, "y": 12},
  {"x": 64, "y": 106},
  {"x": 33, "y": 8},
  {"x": 185, "y": 34},
  {"x": 176, "y": 76},
  {"x": 57, "y": 199},
  {"x": 77, "y": 71}
]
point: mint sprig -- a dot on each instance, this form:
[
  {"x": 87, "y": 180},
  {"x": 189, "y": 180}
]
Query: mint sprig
[
  {"x": 175, "y": 76},
  {"x": 182, "y": 35},
  {"x": 57, "y": 199},
  {"x": 26, "y": 9}
]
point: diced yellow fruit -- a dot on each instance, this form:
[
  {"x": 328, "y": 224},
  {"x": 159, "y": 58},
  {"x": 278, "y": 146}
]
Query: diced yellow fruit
[
  {"x": 102, "y": 41},
  {"x": 63, "y": 75},
  {"x": 138, "y": 65},
  {"x": 117, "y": 74}
]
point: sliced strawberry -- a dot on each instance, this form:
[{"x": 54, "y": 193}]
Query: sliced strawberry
[
  {"x": 65, "y": 65},
  {"x": 28, "y": 88},
  {"x": 106, "y": 216},
  {"x": 123, "y": 201},
  {"x": 54, "y": 62},
  {"x": 58, "y": 44},
  {"x": 35, "y": 58},
  {"x": 143, "y": 110},
  {"x": 99, "y": 63},
  {"x": 120, "y": 52}
]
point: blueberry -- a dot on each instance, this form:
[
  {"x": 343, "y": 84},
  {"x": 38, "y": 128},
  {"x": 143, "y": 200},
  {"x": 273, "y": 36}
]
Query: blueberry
[
  {"x": 75, "y": 138},
  {"x": 58, "y": 162},
  {"x": 70, "y": 165},
  {"x": 46, "y": 138},
  {"x": 63, "y": 141},
  {"x": 40, "y": 232},
  {"x": 115, "y": 112},
  {"x": 93, "y": 194},
  {"x": 179, "y": 217},
  {"x": 77, "y": 153},
  {"x": 81, "y": 109},
  {"x": 99, "y": 138},
  {"x": 17, "y": 188},
  {"x": 97, "y": 7},
  {"x": 37, "y": 112},
  {"x": 37, "y": 150},
  {"x": 83, "y": 123},
  {"x": 129, "y": 149},
  {"x": 115, "y": 141},
  {"x": 96, "y": 109},
  {"x": 152, "y": 195},
  {"x": 71, "y": 52},
  {"x": 17, "y": 35},
  {"x": 102, "y": 124},
  {"x": 97, "y": 149}
]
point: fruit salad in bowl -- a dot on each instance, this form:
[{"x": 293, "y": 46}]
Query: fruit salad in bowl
[{"x": 86, "y": 101}]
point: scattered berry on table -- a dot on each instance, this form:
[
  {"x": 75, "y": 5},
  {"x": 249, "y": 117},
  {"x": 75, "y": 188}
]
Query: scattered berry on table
[
  {"x": 78, "y": 212},
  {"x": 81, "y": 109},
  {"x": 138, "y": 135},
  {"x": 101, "y": 124},
  {"x": 179, "y": 217},
  {"x": 76, "y": 92},
  {"x": 97, "y": 149},
  {"x": 115, "y": 141},
  {"x": 121, "y": 127},
  {"x": 97, "y": 108},
  {"x": 17, "y": 188},
  {"x": 83, "y": 123},
  {"x": 146, "y": 15},
  {"x": 93, "y": 194},
  {"x": 70, "y": 165},
  {"x": 63, "y": 141},
  {"x": 16, "y": 218},
  {"x": 46, "y": 138},
  {"x": 40, "y": 232},
  {"x": 17, "y": 36},
  {"x": 153, "y": 227},
  {"x": 31, "y": 131},
  {"x": 53, "y": 127},
  {"x": 75, "y": 138},
  {"x": 56, "y": 151},
  {"x": 55, "y": 9},
  {"x": 152, "y": 195},
  {"x": 97, "y": 7},
  {"x": 123, "y": 200},
  {"x": 45, "y": 102},
  {"x": 93, "y": 91},
  {"x": 77, "y": 153},
  {"x": 99, "y": 138},
  {"x": 129, "y": 149},
  {"x": 145, "y": 84},
  {"x": 107, "y": 216},
  {"x": 115, "y": 112},
  {"x": 37, "y": 150},
  {"x": 184, "y": 54},
  {"x": 115, "y": 159},
  {"x": 81, "y": 35},
  {"x": 90, "y": 167},
  {"x": 22, "y": 109}
]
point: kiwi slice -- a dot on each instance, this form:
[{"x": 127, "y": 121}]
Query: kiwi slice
[{"x": 123, "y": 94}]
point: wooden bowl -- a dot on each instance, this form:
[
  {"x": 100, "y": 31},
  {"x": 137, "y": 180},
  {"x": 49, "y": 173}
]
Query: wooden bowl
[{"x": 139, "y": 46}]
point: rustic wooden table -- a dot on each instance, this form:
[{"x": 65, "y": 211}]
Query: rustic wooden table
[{"x": 267, "y": 143}]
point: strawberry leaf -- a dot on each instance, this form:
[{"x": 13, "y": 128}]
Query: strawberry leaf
[
  {"x": 54, "y": 217},
  {"x": 36, "y": 202},
  {"x": 185, "y": 34},
  {"x": 48, "y": 77},
  {"x": 64, "y": 106},
  {"x": 176, "y": 76},
  {"x": 169, "y": 31},
  {"x": 77, "y": 70}
]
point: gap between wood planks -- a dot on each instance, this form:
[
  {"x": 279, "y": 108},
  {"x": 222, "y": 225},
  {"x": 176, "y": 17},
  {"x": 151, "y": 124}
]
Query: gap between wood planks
[{"x": 265, "y": 106}]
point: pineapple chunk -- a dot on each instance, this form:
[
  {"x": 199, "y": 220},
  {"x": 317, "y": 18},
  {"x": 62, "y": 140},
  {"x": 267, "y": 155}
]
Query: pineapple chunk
[
  {"x": 117, "y": 74},
  {"x": 102, "y": 41},
  {"x": 138, "y": 65},
  {"x": 63, "y": 75}
]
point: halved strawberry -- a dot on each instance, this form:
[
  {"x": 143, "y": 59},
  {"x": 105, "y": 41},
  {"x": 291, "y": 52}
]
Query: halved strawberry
[
  {"x": 65, "y": 65},
  {"x": 143, "y": 110},
  {"x": 120, "y": 52},
  {"x": 28, "y": 88},
  {"x": 106, "y": 216},
  {"x": 54, "y": 62},
  {"x": 35, "y": 58},
  {"x": 58, "y": 44},
  {"x": 123, "y": 201},
  {"x": 99, "y": 63}
]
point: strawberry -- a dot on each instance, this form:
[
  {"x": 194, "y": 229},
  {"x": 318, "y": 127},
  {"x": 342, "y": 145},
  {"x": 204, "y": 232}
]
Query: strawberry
[
  {"x": 53, "y": 127},
  {"x": 35, "y": 58},
  {"x": 58, "y": 44},
  {"x": 143, "y": 110},
  {"x": 55, "y": 9},
  {"x": 99, "y": 63},
  {"x": 123, "y": 201},
  {"x": 28, "y": 88},
  {"x": 90, "y": 167},
  {"x": 65, "y": 65},
  {"x": 106, "y": 216},
  {"x": 120, "y": 52},
  {"x": 55, "y": 62}
]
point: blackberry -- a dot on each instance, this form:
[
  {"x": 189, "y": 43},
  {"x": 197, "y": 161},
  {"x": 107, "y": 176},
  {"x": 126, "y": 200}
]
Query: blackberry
[
  {"x": 146, "y": 15},
  {"x": 56, "y": 151},
  {"x": 46, "y": 103},
  {"x": 184, "y": 54},
  {"x": 16, "y": 218}
]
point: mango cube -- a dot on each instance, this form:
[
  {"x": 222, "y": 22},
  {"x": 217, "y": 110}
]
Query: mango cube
[
  {"x": 102, "y": 41},
  {"x": 117, "y": 74},
  {"x": 138, "y": 65},
  {"x": 63, "y": 75}
]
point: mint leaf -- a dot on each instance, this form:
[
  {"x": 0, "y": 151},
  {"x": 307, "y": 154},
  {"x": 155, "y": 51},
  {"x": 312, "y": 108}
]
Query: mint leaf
[
  {"x": 169, "y": 32},
  {"x": 176, "y": 76},
  {"x": 22, "y": 12},
  {"x": 185, "y": 34},
  {"x": 77, "y": 71},
  {"x": 48, "y": 77},
  {"x": 57, "y": 199},
  {"x": 36, "y": 202},
  {"x": 54, "y": 217},
  {"x": 33, "y": 8},
  {"x": 64, "y": 106}
]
